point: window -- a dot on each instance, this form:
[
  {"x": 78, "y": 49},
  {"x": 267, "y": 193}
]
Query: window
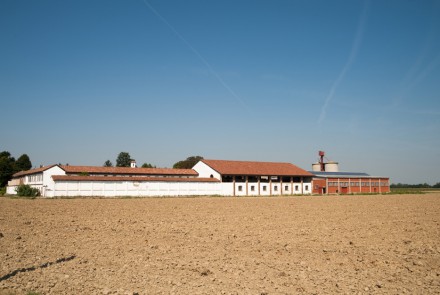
[
  {"x": 252, "y": 188},
  {"x": 307, "y": 188},
  {"x": 252, "y": 179},
  {"x": 240, "y": 188},
  {"x": 296, "y": 188},
  {"x": 227, "y": 178},
  {"x": 240, "y": 179},
  {"x": 286, "y": 188},
  {"x": 275, "y": 188},
  {"x": 264, "y": 188}
]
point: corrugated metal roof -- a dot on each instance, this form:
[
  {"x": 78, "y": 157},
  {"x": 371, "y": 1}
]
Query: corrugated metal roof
[
  {"x": 128, "y": 170},
  {"x": 128, "y": 178},
  {"x": 339, "y": 174}
]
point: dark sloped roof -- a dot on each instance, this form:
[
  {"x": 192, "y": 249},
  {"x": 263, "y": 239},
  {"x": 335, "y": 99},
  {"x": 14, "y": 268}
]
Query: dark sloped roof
[
  {"x": 345, "y": 174},
  {"x": 225, "y": 167},
  {"x": 32, "y": 171},
  {"x": 126, "y": 178},
  {"x": 128, "y": 170}
]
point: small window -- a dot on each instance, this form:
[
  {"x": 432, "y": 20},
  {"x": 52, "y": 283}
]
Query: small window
[
  {"x": 307, "y": 188},
  {"x": 275, "y": 188},
  {"x": 296, "y": 188},
  {"x": 240, "y": 188},
  {"x": 286, "y": 188},
  {"x": 211, "y": 176},
  {"x": 252, "y": 188},
  {"x": 264, "y": 188}
]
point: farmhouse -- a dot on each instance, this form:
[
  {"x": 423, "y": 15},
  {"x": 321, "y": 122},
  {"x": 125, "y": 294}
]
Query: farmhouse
[{"x": 208, "y": 177}]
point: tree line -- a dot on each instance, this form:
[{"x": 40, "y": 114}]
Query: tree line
[
  {"x": 124, "y": 160},
  {"x": 420, "y": 185},
  {"x": 9, "y": 166}
]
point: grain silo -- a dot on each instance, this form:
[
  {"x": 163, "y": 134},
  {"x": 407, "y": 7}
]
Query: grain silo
[{"x": 329, "y": 166}]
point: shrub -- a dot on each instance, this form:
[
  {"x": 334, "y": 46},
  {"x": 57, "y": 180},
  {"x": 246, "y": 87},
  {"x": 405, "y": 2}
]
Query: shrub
[
  {"x": 2, "y": 190},
  {"x": 25, "y": 190}
]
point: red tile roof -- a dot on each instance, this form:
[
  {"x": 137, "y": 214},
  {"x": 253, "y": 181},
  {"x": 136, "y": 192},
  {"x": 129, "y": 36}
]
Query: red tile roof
[
  {"x": 256, "y": 168},
  {"x": 32, "y": 171},
  {"x": 128, "y": 170},
  {"x": 128, "y": 178}
]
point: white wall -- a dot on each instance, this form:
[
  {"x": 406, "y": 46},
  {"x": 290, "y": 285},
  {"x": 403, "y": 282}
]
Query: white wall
[
  {"x": 48, "y": 183},
  {"x": 135, "y": 188},
  {"x": 270, "y": 189},
  {"x": 206, "y": 171},
  {"x": 155, "y": 188}
]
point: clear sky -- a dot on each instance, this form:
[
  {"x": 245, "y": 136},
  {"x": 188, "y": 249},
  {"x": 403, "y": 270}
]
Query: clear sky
[{"x": 81, "y": 81}]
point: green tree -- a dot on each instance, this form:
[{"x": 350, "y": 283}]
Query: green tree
[
  {"x": 23, "y": 163},
  {"x": 437, "y": 185},
  {"x": 148, "y": 165},
  {"x": 108, "y": 163},
  {"x": 123, "y": 160},
  {"x": 188, "y": 163},
  {"x": 6, "y": 167}
]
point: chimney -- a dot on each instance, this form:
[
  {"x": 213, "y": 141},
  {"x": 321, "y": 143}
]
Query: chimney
[{"x": 133, "y": 164}]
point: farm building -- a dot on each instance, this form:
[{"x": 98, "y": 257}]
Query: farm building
[
  {"x": 328, "y": 180},
  {"x": 208, "y": 177},
  {"x": 349, "y": 183}
]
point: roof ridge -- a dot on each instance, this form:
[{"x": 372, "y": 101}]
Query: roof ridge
[{"x": 34, "y": 170}]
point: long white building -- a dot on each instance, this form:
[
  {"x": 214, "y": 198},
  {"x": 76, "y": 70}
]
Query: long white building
[{"x": 207, "y": 177}]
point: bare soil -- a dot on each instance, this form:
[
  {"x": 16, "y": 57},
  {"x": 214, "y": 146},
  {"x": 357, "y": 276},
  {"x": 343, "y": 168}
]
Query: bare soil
[{"x": 254, "y": 245}]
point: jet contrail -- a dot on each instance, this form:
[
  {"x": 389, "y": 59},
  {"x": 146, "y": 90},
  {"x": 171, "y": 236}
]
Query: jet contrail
[
  {"x": 196, "y": 52},
  {"x": 351, "y": 58}
]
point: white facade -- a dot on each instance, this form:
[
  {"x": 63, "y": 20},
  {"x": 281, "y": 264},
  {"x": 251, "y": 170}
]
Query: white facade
[
  {"x": 270, "y": 189},
  {"x": 206, "y": 171},
  {"x": 246, "y": 188},
  {"x": 41, "y": 180},
  {"x": 53, "y": 181},
  {"x": 134, "y": 188}
]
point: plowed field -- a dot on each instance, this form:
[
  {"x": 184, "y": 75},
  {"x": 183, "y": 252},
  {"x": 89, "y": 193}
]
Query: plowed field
[{"x": 253, "y": 245}]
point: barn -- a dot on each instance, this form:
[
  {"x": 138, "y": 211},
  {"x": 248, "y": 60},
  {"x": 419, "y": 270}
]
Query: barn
[{"x": 208, "y": 177}]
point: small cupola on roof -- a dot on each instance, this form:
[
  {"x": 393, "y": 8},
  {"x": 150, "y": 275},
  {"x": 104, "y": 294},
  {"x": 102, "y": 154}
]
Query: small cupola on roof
[{"x": 133, "y": 164}]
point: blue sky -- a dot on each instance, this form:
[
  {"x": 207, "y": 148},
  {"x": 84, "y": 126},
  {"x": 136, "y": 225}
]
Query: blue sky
[{"x": 81, "y": 81}]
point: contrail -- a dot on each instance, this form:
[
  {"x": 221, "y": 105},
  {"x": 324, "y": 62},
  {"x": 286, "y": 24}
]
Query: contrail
[
  {"x": 196, "y": 52},
  {"x": 412, "y": 76},
  {"x": 351, "y": 58}
]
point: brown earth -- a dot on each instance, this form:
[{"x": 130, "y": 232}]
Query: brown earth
[{"x": 273, "y": 245}]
